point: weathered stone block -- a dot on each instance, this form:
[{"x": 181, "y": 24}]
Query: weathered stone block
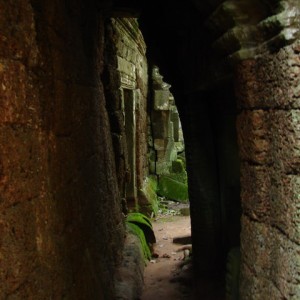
[
  {"x": 161, "y": 100},
  {"x": 171, "y": 188},
  {"x": 171, "y": 132},
  {"x": 176, "y": 125},
  {"x": 18, "y": 38},
  {"x": 178, "y": 166},
  {"x": 270, "y": 82},
  {"x": 69, "y": 102},
  {"x": 20, "y": 165},
  {"x": 127, "y": 70},
  {"x": 256, "y": 242},
  {"x": 147, "y": 196},
  {"x": 142, "y": 75},
  {"x": 19, "y": 100},
  {"x": 171, "y": 151},
  {"x": 160, "y": 123},
  {"x": 129, "y": 275},
  {"x": 285, "y": 140},
  {"x": 253, "y": 287},
  {"x": 268, "y": 132},
  {"x": 162, "y": 167},
  {"x": 285, "y": 259},
  {"x": 256, "y": 191},
  {"x": 160, "y": 155},
  {"x": 285, "y": 206},
  {"x": 253, "y": 138},
  {"x": 159, "y": 144}
]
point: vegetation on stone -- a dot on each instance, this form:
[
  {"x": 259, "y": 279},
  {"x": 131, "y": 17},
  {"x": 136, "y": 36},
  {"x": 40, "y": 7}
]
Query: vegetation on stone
[
  {"x": 178, "y": 166},
  {"x": 141, "y": 226},
  {"x": 135, "y": 229},
  {"x": 148, "y": 196},
  {"x": 172, "y": 188},
  {"x": 181, "y": 177},
  {"x": 139, "y": 218}
]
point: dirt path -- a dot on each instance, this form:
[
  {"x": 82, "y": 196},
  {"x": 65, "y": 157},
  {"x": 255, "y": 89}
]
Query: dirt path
[{"x": 165, "y": 277}]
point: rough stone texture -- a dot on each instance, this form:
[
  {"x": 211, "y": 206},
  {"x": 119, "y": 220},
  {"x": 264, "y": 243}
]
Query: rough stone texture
[
  {"x": 61, "y": 230},
  {"x": 111, "y": 83},
  {"x": 164, "y": 133},
  {"x": 129, "y": 77},
  {"x": 250, "y": 27},
  {"x": 268, "y": 131},
  {"x": 129, "y": 276},
  {"x": 132, "y": 52},
  {"x": 208, "y": 120},
  {"x": 60, "y": 219}
]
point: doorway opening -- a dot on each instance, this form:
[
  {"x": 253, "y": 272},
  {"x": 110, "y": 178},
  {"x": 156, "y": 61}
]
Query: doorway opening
[
  {"x": 208, "y": 153},
  {"x": 168, "y": 275}
]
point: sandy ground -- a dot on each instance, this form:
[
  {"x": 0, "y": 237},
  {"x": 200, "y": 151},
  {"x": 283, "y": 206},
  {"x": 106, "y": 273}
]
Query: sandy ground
[{"x": 164, "y": 277}]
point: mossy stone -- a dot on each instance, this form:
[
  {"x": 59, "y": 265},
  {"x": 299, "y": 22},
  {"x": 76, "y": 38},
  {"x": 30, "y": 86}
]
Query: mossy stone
[
  {"x": 135, "y": 229},
  {"x": 178, "y": 166},
  {"x": 140, "y": 225},
  {"x": 144, "y": 223},
  {"x": 173, "y": 189},
  {"x": 148, "y": 201}
]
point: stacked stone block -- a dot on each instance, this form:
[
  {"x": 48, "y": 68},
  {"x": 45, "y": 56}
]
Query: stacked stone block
[
  {"x": 165, "y": 125},
  {"x": 133, "y": 83},
  {"x": 268, "y": 133}
]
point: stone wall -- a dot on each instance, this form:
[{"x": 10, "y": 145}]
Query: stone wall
[
  {"x": 61, "y": 230},
  {"x": 268, "y": 131},
  {"x": 132, "y": 86},
  {"x": 166, "y": 134}
]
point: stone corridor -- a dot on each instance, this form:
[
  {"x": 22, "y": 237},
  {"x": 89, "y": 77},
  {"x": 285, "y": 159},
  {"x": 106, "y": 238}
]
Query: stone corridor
[{"x": 107, "y": 106}]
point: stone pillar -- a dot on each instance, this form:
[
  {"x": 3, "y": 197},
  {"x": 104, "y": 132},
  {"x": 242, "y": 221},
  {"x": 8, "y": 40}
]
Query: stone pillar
[
  {"x": 268, "y": 134},
  {"x": 203, "y": 186},
  {"x": 166, "y": 133},
  {"x": 130, "y": 129},
  {"x": 175, "y": 120}
]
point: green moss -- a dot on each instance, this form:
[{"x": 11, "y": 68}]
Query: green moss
[
  {"x": 148, "y": 201},
  {"x": 141, "y": 226},
  {"x": 178, "y": 166},
  {"x": 181, "y": 177},
  {"x": 133, "y": 228},
  {"x": 173, "y": 188},
  {"x": 139, "y": 218},
  {"x": 144, "y": 223}
]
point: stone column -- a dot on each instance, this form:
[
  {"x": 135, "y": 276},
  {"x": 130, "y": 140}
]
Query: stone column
[
  {"x": 130, "y": 129},
  {"x": 176, "y": 128},
  {"x": 268, "y": 134},
  {"x": 203, "y": 187}
]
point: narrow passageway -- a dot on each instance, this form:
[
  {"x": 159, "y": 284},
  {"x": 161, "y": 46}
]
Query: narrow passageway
[
  {"x": 168, "y": 275},
  {"x": 109, "y": 106}
]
